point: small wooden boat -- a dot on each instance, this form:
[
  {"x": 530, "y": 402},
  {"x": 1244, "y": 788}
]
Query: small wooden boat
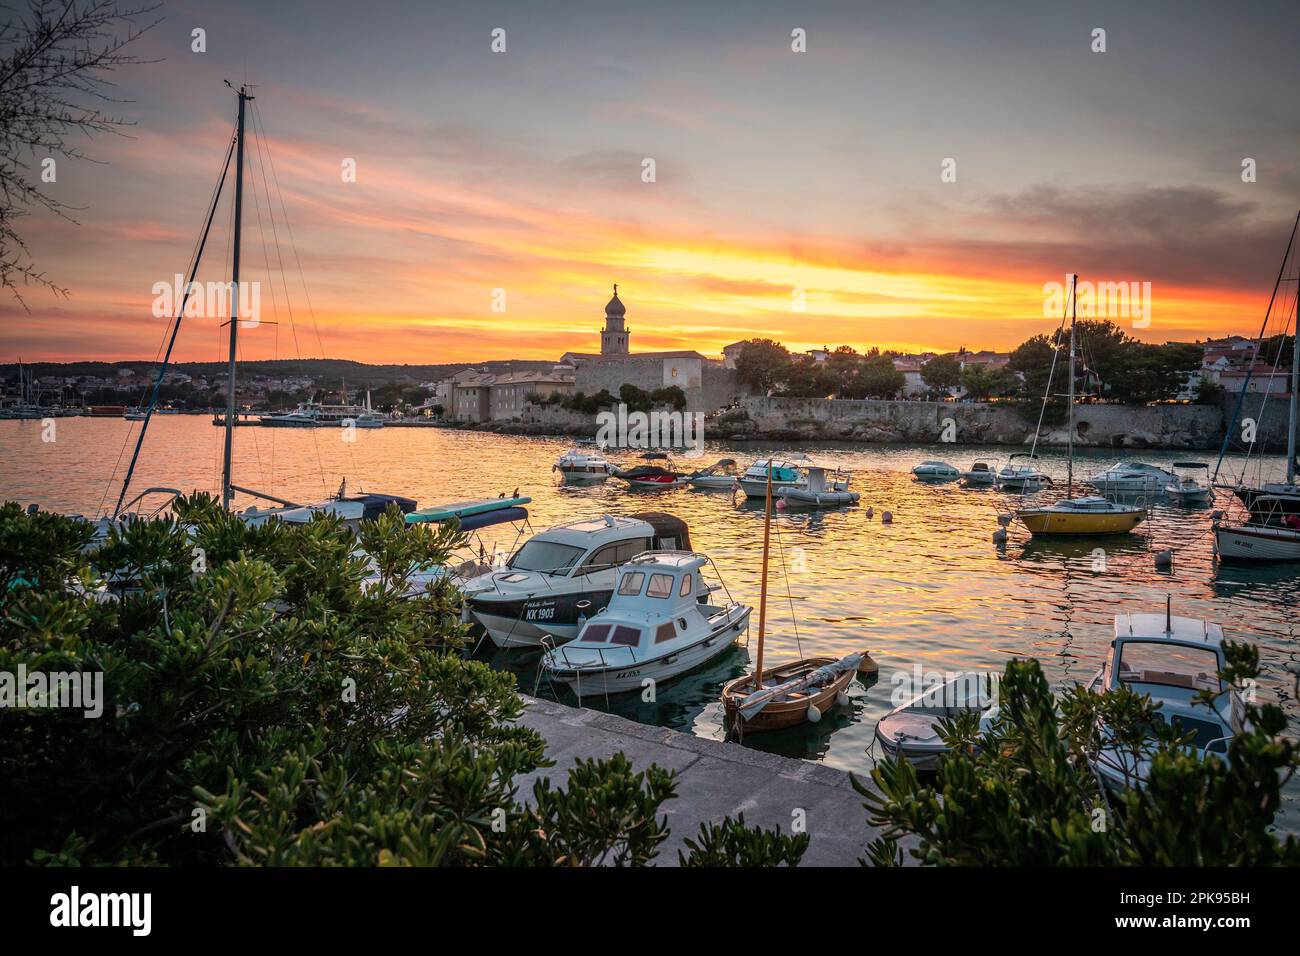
[
  {"x": 797, "y": 705},
  {"x": 788, "y": 694}
]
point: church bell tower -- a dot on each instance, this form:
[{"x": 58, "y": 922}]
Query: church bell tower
[{"x": 613, "y": 337}]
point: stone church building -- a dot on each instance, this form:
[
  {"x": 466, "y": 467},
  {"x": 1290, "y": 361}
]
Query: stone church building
[{"x": 705, "y": 382}]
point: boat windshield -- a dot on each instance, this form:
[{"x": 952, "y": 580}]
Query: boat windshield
[
  {"x": 1170, "y": 665},
  {"x": 545, "y": 557}
]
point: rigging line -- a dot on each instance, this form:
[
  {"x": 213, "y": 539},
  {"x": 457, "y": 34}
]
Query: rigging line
[
  {"x": 176, "y": 327},
  {"x": 1272, "y": 376},
  {"x": 131, "y": 431},
  {"x": 292, "y": 243},
  {"x": 260, "y": 143},
  {"x": 1241, "y": 397},
  {"x": 780, "y": 545},
  {"x": 1056, "y": 354},
  {"x": 227, "y": 265}
]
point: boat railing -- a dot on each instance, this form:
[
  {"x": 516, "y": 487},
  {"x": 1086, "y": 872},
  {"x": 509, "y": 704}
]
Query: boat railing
[{"x": 600, "y": 652}]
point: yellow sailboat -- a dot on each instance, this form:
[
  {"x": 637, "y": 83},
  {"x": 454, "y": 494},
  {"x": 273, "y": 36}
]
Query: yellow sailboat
[{"x": 1091, "y": 514}]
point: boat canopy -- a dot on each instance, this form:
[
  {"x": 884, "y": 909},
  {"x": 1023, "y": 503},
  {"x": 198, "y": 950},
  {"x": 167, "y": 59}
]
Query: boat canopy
[{"x": 670, "y": 531}]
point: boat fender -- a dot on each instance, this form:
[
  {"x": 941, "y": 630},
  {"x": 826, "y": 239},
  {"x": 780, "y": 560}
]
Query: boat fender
[
  {"x": 842, "y": 699},
  {"x": 780, "y": 504},
  {"x": 464, "y": 613},
  {"x": 867, "y": 665},
  {"x": 814, "y": 714},
  {"x": 1000, "y": 536},
  {"x": 886, "y": 517},
  {"x": 871, "y": 512}
]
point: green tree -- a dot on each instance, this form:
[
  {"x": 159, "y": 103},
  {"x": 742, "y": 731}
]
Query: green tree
[
  {"x": 942, "y": 373},
  {"x": 1023, "y": 793},
  {"x": 277, "y": 695},
  {"x": 843, "y": 366},
  {"x": 876, "y": 378},
  {"x": 982, "y": 383},
  {"x": 1151, "y": 373},
  {"x": 1033, "y": 360},
  {"x": 805, "y": 378},
  {"x": 760, "y": 362}
]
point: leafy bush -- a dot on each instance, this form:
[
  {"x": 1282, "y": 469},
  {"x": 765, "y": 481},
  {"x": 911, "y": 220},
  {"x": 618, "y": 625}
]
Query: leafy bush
[
  {"x": 272, "y": 696},
  {"x": 1023, "y": 793}
]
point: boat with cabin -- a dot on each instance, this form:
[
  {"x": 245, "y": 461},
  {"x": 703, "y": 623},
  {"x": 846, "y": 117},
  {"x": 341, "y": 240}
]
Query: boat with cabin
[
  {"x": 1172, "y": 660},
  {"x": 656, "y": 626},
  {"x": 562, "y": 576},
  {"x": 785, "y": 473},
  {"x": 1132, "y": 478},
  {"x": 580, "y": 466}
]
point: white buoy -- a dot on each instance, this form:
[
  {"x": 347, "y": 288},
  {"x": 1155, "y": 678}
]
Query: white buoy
[
  {"x": 842, "y": 699},
  {"x": 886, "y": 517},
  {"x": 814, "y": 714}
]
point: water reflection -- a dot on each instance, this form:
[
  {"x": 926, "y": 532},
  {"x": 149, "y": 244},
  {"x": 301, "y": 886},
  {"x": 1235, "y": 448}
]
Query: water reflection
[{"x": 931, "y": 587}]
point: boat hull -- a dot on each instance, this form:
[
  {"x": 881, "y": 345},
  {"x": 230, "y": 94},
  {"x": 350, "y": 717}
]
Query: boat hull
[
  {"x": 781, "y": 714},
  {"x": 1257, "y": 544},
  {"x": 757, "y": 487},
  {"x": 585, "y": 681},
  {"x": 528, "y": 621},
  {"x": 1047, "y": 522}
]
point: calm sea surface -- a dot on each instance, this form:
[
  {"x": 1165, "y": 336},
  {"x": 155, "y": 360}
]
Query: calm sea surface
[{"x": 930, "y": 590}]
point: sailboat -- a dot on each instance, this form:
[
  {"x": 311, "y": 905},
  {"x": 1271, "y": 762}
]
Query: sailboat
[
  {"x": 788, "y": 694},
  {"x": 351, "y": 508},
  {"x": 1090, "y": 514},
  {"x": 1272, "y": 531}
]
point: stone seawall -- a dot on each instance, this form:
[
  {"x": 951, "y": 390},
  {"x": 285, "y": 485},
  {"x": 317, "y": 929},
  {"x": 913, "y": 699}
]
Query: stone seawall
[
  {"x": 1198, "y": 427},
  {"x": 1104, "y": 426}
]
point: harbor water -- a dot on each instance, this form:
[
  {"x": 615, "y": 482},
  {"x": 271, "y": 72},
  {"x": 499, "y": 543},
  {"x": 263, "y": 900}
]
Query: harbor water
[{"x": 929, "y": 593}]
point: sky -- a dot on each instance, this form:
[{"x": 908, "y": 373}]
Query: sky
[{"x": 800, "y": 196}]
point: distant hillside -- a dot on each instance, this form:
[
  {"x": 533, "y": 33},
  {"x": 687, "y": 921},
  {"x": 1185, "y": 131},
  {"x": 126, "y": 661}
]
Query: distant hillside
[{"x": 329, "y": 370}]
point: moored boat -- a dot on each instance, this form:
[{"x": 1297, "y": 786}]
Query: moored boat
[
  {"x": 562, "y": 576},
  {"x": 652, "y": 476},
  {"x": 1131, "y": 478},
  {"x": 579, "y": 466},
  {"x": 818, "y": 492},
  {"x": 981, "y": 474},
  {"x": 1186, "y": 488},
  {"x": 785, "y": 473},
  {"x": 655, "y": 627},
  {"x": 911, "y": 730},
  {"x": 936, "y": 471},
  {"x": 1172, "y": 660}
]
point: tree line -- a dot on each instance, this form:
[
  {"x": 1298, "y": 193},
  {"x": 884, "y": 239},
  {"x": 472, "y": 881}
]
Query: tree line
[{"x": 1110, "y": 365}]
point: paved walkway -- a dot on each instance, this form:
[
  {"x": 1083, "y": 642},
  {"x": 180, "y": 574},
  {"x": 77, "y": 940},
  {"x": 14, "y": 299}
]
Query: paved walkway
[{"x": 714, "y": 780}]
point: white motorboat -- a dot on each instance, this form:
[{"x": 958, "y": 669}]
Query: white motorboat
[
  {"x": 1021, "y": 475},
  {"x": 818, "y": 492},
  {"x": 911, "y": 730},
  {"x": 1171, "y": 659},
  {"x": 1132, "y": 478},
  {"x": 654, "y": 628},
  {"x": 650, "y": 476},
  {"x": 578, "y": 466},
  {"x": 786, "y": 473},
  {"x": 981, "y": 474},
  {"x": 720, "y": 476},
  {"x": 936, "y": 471},
  {"x": 1272, "y": 534},
  {"x": 1186, "y": 488},
  {"x": 564, "y": 575},
  {"x": 352, "y": 509}
]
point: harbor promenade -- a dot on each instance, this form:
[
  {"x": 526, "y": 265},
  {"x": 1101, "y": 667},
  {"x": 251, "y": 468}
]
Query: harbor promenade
[{"x": 714, "y": 780}]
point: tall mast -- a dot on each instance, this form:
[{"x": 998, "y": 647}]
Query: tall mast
[
  {"x": 1074, "y": 308},
  {"x": 227, "y": 492},
  {"x": 1295, "y": 387},
  {"x": 762, "y": 590}
]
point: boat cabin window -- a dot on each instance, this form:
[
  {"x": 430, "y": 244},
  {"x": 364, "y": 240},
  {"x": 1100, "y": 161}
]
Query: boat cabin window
[
  {"x": 1170, "y": 665},
  {"x": 685, "y": 589},
  {"x": 546, "y": 557},
  {"x": 615, "y": 555},
  {"x": 665, "y": 632},
  {"x": 596, "y": 633},
  {"x": 661, "y": 586},
  {"x": 629, "y": 636},
  {"x": 631, "y": 583}
]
